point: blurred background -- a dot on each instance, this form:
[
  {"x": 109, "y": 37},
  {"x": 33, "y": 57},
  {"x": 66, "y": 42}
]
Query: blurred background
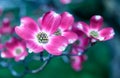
[{"x": 103, "y": 58}]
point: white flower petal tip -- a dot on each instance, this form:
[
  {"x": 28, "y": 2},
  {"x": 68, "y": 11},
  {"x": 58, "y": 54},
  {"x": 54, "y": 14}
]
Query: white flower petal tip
[
  {"x": 80, "y": 26},
  {"x": 68, "y": 14},
  {"x": 65, "y": 1},
  {"x": 22, "y": 58},
  {"x": 71, "y": 41},
  {"x": 101, "y": 38},
  {"x": 98, "y": 17},
  {"x": 55, "y": 14},
  {"x": 62, "y": 48},
  {"x": 79, "y": 53},
  {"x": 2, "y": 55},
  {"x": 30, "y": 51},
  {"x": 112, "y": 33},
  {"x": 21, "y": 24},
  {"x": 94, "y": 40}
]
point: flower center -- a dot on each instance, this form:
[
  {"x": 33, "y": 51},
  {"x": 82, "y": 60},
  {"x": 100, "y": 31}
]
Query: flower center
[
  {"x": 58, "y": 32},
  {"x": 18, "y": 51},
  {"x": 94, "y": 34},
  {"x": 42, "y": 37}
]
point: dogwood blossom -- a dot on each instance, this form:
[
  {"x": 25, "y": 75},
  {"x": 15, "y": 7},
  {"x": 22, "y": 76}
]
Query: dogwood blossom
[
  {"x": 65, "y": 26},
  {"x": 93, "y": 30},
  {"x": 6, "y": 28},
  {"x": 41, "y": 36},
  {"x": 76, "y": 61},
  {"x": 14, "y": 49}
]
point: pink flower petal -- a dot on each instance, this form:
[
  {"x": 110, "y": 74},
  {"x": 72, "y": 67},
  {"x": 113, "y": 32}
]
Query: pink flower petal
[
  {"x": 50, "y": 22},
  {"x": 83, "y": 42},
  {"x": 15, "y": 49},
  {"x": 106, "y": 34},
  {"x": 96, "y": 22},
  {"x": 29, "y": 23},
  {"x": 27, "y": 28},
  {"x": 11, "y": 44},
  {"x": 21, "y": 56},
  {"x": 83, "y": 27},
  {"x": 77, "y": 31},
  {"x": 71, "y": 36},
  {"x": 66, "y": 21},
  {"x": 14, "y": 43},
  {"x": 6, "y": 22},
  {"x": 34, "y": 46},
  {"x": 65, "y": 1},
  {"x": 56, "y": 45},
  {"x": 40, "y": 22},
  {"x": 77, "y": 62},
  {"x": 6, "y": 54},
  {"x": 6, "y": 30}
]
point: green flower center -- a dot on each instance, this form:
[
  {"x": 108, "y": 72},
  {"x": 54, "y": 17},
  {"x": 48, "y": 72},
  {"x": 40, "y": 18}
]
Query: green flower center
[
  {"x": 42, "y": 37},
  {"x": 94, "y": 34},
  {"x": 58, "y": 32},
  {"x": 18, "y": 51}
]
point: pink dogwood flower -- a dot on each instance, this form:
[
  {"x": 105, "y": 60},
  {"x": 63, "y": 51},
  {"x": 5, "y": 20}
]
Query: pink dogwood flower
[
  {"x": 93, "y": 30},
  {"x": 41, "y": 36},
  {"x": 14, "y": 49},
  {"x": 66, "y": 23},
  {"x": 82, "y": 42},
  {"x": 6, "y": 28},
  {"x": 78, "y": 48},
  {"x": 65, "y": 1},
  {"x": 76, "y": 61}
]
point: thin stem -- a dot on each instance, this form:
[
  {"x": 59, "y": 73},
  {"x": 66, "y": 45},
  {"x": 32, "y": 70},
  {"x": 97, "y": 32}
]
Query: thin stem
[
  {"x": 69, "y": 54},
  {"x": 40, "y": 68},
  {"x": 41, "y": 56},
  {"x": 46, "y": 61}
]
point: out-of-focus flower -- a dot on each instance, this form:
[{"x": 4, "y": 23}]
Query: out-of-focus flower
[
  {"x": 6, "y": 28},
  {"x": 78, "y": 48},
  {"x": 93, "y": 31},
  {"x": 66, "y": 23},
  {"x": 76, "y": 61},
  {"x": 14, "y": 49},
  {"x": 65, "y": 1},
  {"x": 82, "y": 42},
  {"x": 42, "y": 37}
]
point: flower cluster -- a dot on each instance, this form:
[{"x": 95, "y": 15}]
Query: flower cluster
[
  {"x": 6, "y": 28},
  {"x": 53, "y": 32},
  {"x": 93, "y": 30},
  {"x": 14, "y": 49}
]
